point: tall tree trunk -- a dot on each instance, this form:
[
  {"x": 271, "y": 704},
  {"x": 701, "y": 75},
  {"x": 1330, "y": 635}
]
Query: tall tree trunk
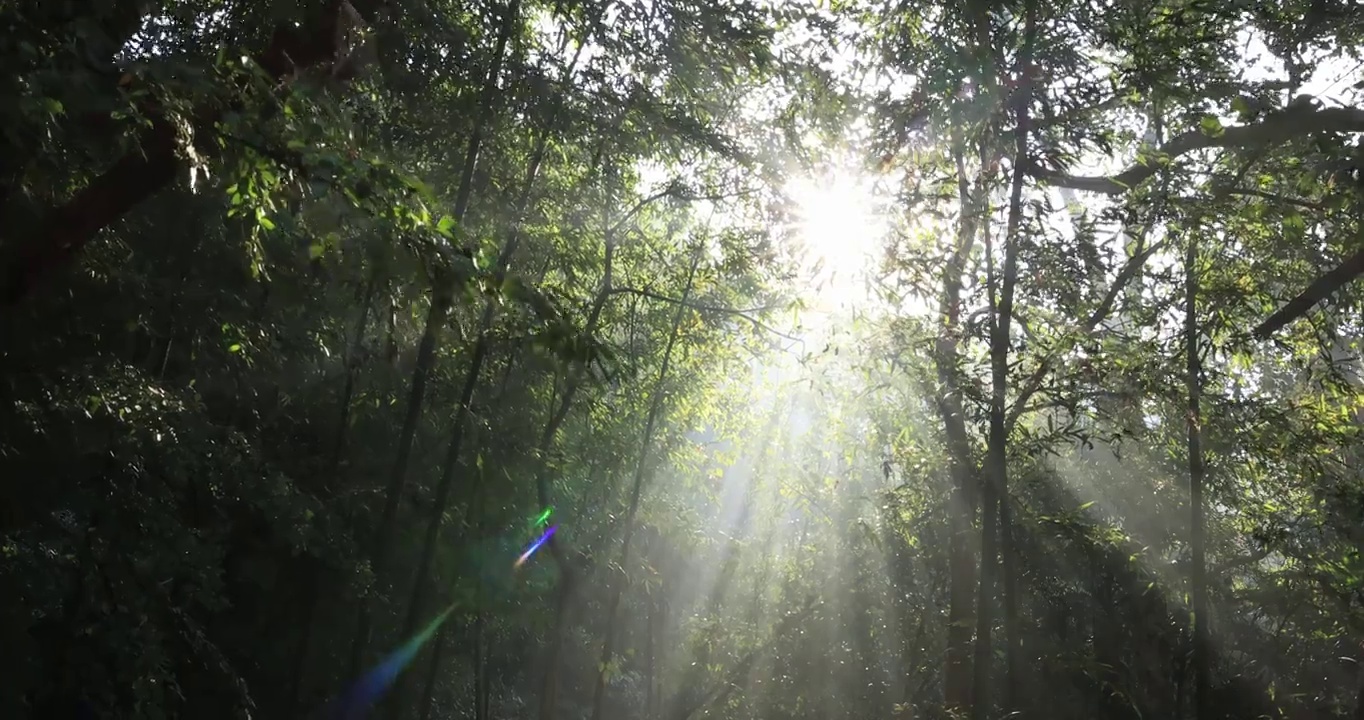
[
  {"x": 641, "y": 468},
  {"x": 549, "y": 680},
  {"x": 314, "y": 598},
  {"x": 549, "y": 686},
  {"x": 426, "y": 701},
  {"x": 961, "y": 604},
  {"x": 957, "y": 676},
  {"x": 353, "y": 350},
  {"x": 999, "y": 361},
  {"x": 989, "y": 526},
  {"x": 651, "y": 659},
  {"x": 1198, "y": 590},
  {"x": 1108, "y": 702},
  {"x": 482, "y": 346},
  {"x": 441, "y": 300},
  {"x": 482, "y": 688}
]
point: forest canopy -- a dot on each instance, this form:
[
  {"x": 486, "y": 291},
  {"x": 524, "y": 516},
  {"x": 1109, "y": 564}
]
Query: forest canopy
[{"x": 682, "y": 359}]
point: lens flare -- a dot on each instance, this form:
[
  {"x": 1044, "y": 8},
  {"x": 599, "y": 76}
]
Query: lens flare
[
  {"x": 372, "y": 686},
  {"x": 535, "y": 546},
  {"x": 355, "y": 702}
]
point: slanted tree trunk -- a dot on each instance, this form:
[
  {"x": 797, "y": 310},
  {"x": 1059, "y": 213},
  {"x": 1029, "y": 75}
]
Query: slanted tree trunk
[
  {"x": 463, "y": 413},
  {"x": 697, "y": 669},
  {"x": 999, "y": 367},
  {"x": 442, "y": 297},
  {"x": 734, "y": 677},
  {"x": 549, "y": 689},
  {"x": 957, "y": 676},
  {"x": 636, "y": 489}
]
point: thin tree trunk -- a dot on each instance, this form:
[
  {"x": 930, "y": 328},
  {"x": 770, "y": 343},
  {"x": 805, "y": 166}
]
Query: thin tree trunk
[
  {"x": 438, "y": 650},
  {"x": 353, "y": 350},
  {"x": 651, "y": 660},
  {"x": 432, "y": 671},
  {"x": 1198, "y": 590},
  {"x": 1108, "y": 702},
  {"x": 482, "y": 690},
  {"x": 740, "y": 670},
  {"x": 641, "y": 468},
  {"x": 957, "y": 676},
  {"x": 441, "y": 300},
  {"x": 549, "y": 685},
  {"x": 999, "y": 351}
]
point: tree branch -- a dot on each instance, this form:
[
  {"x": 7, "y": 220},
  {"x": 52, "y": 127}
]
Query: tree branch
[
  {"x": 1271, "y": 197},
  {"x": 1272, "y": 130},
  {"x": 1320, "y": 289},
  {"x": 737, "y": 312},
  {"x": 672, "y": 189},
  {"x": 142, "y": 173},
  {"x": 1125, "y": 276}
]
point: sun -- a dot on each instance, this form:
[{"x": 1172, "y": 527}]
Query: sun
[{"x": 839, "y": 231}]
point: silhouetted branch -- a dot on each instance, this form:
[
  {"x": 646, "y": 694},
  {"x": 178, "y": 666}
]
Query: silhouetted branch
[
  {"x": 1320, "y": 289},
  {"x": 1274, "y": 129}
]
